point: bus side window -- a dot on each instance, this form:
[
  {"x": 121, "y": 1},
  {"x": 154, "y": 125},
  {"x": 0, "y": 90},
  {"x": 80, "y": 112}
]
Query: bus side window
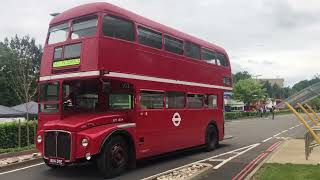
[
  {"x": 195, "y": 101},
  {"x": 192, "y": 50},
  {"x": 208, "y": 56},
  {"x": 175, "y": 100},
  {"x": 151, "y": 100},
  {"x": 222, "y": 60},
  {"x": 149, "y": 37},
  {"x": 211, "y": 101},
  {"x": 173, "y": 45},
  {"x": 118, "y": 28}
]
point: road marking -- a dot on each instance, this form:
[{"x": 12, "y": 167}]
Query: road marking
[
  {"x": 284, "y": 131},
  {"x": 248, "y": 170},
  {"x": 232, "y": 157},
  {"x": 247, "y": 166},
  {"x": 276, "y": 135},
  {"x": 243, "y": 173},
  {"x": 276, "y": 144},
  {"x": 267, "y": 139},
  {"x": 15, "y": 170},
  {"x": 279, "y": 133},
  {"x": 216, "y": 160},
  {"x": 236, "y": 152}
]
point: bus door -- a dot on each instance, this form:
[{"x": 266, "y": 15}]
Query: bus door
[{"x": 151, "y": 129}]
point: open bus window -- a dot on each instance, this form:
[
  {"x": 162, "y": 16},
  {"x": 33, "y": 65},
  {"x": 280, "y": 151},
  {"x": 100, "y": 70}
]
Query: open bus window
[
  {"x": 84, "y": 27},
  {"x": 120, "y": 101},
  {"x": 80, "y": 95},
  {"x": 222, "y": 60},
  {"x": 58, "y": 33}
]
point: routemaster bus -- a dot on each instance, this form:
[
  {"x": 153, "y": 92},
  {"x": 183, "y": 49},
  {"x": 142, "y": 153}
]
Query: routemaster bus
[{"x": 116, "y": 87}]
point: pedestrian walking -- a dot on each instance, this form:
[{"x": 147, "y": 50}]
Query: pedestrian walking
[
  {"x": 273, "y": 111},
  {"x": 261, "y": 111}
]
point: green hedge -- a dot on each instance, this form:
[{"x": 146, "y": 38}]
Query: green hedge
[
  {"x": 242, "y": 115},
  {"x": 9, "y": 134}
]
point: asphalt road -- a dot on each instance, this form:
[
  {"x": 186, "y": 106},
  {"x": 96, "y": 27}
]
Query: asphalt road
[{"x": 252, "y": 140}]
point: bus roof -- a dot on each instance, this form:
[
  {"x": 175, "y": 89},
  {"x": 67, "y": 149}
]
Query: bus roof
[{"x": 91, "y": 8}]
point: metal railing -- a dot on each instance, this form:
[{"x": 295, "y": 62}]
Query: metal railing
[{"x": 312, "y": 138}]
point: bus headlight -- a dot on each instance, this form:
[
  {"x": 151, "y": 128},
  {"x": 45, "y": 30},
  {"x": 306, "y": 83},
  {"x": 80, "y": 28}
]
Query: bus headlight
[
  {"x": 39, "y": 139},
  {"x": 84, "y": 142}
]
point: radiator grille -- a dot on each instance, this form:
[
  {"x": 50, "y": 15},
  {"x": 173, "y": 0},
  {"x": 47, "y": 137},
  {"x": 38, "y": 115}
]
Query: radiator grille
[{"x": 57, "y": 144}]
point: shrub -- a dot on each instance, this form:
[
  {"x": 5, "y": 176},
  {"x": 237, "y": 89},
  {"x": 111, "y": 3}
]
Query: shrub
[{"x": 9, "y": 134}]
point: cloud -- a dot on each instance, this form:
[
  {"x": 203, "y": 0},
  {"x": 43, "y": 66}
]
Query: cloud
[
  {"x": 285, "y": 15},
  {"x": 268, "y": 37}
]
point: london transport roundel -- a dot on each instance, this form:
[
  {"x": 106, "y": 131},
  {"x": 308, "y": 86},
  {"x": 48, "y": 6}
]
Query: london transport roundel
[{"x": 176, "y": 119}]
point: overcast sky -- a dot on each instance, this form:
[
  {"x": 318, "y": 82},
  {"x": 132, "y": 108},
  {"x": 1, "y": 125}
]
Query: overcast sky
[{"x": 272, "y": 38}]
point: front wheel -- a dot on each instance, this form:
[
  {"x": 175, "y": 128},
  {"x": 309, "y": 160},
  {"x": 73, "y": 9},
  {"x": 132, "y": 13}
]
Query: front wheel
[
  {"x": 211, "y": 138},
  {"x": 114, "y": 158}
]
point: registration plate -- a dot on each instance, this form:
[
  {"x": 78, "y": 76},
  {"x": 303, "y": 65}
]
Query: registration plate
[{"x": 59, "y": 162}]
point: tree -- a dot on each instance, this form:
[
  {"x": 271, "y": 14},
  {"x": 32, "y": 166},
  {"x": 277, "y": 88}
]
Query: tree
[
  {"x": 22, "y": 68},
  {"x": 315, "y": 103},
  {"x": 7, "y": 98},
  {"x": 249, "y": 90},
  {"x": 267, "y": 86},
  {"x": 241, "y": 76}
]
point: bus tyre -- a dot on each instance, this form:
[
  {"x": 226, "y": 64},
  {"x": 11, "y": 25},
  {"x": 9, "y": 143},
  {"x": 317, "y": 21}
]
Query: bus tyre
[
  {"x": 211, "y": 138},
  {"x": 114, "y": 158}
]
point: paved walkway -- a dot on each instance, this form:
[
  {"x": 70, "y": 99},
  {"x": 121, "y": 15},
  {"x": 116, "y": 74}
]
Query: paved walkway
[{"x": 292, "y": 151}]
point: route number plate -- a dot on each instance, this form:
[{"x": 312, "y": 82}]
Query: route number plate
[{"x": 59, "y": 162}]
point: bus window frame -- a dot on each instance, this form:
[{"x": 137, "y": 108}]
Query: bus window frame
[
  {"x": 155, "y": 30},
  {"x": 185, "y": 101},
  {"x": 203, "y": 48},
  {"x": 59, "y": 101},
  {"x": 83, "y": 17},
  {"x": 203, "y": 103},
  {"x": 172, "y": 36},
  {"x": 119, "y": 17},
  {"x": 151, "y": 90},
  {"x": 57, "y": 24}
]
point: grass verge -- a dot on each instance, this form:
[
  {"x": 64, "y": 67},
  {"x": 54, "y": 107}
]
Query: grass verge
[
  {"x": 274, "y": 171},
  {"x": 9, "y": 150}
]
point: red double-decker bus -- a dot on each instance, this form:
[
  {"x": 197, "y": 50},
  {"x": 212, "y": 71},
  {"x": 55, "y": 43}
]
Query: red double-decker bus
[{"x": 116, "y": 87}]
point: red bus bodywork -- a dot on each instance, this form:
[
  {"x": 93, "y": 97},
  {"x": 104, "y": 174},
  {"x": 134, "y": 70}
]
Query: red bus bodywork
[{"x": 151, "y": 131}]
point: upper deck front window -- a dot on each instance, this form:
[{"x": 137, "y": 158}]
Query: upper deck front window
[
  {"x": 84, "y": 27},
  {"x": 58, "y": 33}
]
